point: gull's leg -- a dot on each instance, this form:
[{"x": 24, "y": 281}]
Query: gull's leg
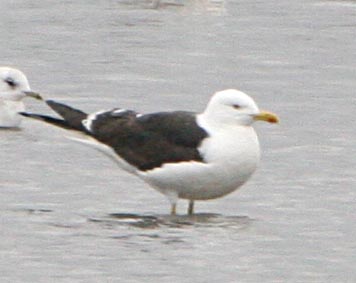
[
  {"x": 173, "y": 199},
  {"x": 191, "y": 207},
  {"x": 173, "y": 209}
]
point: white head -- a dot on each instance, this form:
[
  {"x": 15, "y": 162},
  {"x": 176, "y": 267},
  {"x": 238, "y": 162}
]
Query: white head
[
  {"x": 235, "y": 107},
  {"x": 14, "y": 85}
]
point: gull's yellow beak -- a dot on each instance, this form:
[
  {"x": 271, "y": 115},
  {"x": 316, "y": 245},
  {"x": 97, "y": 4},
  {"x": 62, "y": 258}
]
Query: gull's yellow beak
[{"x": 267, "y": 116}]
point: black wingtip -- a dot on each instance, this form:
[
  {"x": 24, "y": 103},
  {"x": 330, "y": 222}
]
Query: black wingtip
[
  {"x": 50, "y": 120},
  {"x": 51, "y": 103},
  {"x": 57, "y": 106},
  {"x": 72, "y": 117},
  {"x": 25, "y": 114}
]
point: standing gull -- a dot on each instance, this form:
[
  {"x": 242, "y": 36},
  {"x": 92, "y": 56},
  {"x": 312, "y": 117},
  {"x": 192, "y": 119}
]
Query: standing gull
[
  {"x": 14, "y": 87},
  {"x": 181, "y": 154}
]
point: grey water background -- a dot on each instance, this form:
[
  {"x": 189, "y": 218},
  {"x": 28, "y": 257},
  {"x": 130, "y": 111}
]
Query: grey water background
[{"x": 68, "y": 214}]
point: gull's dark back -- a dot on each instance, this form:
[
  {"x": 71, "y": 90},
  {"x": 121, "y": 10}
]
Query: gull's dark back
[
  {"x": 144, "y": 141},
  {"x": 149, "y": 141}
]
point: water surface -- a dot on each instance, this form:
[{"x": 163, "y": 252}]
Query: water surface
[{"x": 68, "y": 214}]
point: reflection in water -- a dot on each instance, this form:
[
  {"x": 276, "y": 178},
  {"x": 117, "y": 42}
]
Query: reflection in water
[
  {"x": 212, "y": 6},
  {"x": 38, "y": 211},
  {"x": 156, "y": 221}
]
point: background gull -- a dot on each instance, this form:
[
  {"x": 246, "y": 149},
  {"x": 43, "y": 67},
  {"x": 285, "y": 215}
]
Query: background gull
[{"x": 14, "y": 87}]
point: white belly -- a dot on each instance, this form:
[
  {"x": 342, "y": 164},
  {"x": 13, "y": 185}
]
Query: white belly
[{"x": 229, "y": 162}]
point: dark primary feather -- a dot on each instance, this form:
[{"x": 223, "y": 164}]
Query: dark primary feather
[
  {"x": 51, "y": 120},
  {"x": 72, "y": 116},
  {"x": 146, "y": 141}
]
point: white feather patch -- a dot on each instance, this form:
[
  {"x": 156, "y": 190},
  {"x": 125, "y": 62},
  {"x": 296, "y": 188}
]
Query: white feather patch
[{"x": 88, "y": 122}]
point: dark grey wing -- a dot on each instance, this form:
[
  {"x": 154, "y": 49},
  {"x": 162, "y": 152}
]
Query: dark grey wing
[
  {"x": 149, "y": 141},
  {"x": 179, "y": 127},
  {"x": 144, "y": 141}
]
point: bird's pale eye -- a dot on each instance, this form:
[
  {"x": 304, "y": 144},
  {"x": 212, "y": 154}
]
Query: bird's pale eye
[{"x": 10, "y": 82}]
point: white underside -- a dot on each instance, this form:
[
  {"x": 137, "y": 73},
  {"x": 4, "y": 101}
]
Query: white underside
[
  {"x": 230, "y": 159},
  {"x": 9, "y": 116},
  {"x": 231, "y": 156}
]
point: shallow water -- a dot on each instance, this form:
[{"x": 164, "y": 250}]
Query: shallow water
[{"x": 68, "y": 214}]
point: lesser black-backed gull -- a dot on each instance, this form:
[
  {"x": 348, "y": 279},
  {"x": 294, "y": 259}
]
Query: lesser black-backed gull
[
  {"x": 14, "y": 87},
  {"x": 181, "y": 154}
]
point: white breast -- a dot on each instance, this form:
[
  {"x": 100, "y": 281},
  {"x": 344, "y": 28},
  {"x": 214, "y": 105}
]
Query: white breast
[{"x": 231, "y": 156}]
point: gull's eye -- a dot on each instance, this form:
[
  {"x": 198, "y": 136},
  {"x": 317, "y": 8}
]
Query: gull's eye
[
  {"x": 236, "y": 106},
  {"x": 10, "y": 82}
]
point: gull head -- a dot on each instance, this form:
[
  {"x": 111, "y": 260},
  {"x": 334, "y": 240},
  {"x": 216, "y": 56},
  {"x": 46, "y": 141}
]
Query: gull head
[
  {"x": 235, "y": 107},
  {"x": 14, "y": 85}
]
